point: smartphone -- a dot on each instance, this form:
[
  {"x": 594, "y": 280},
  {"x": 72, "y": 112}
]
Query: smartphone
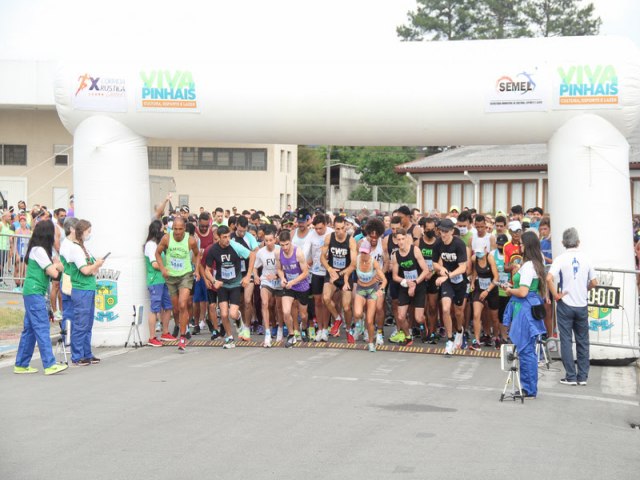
[{"x": 105, "y": 257}]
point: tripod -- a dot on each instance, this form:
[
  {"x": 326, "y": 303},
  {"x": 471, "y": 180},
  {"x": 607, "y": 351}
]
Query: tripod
[
  {"x": 133, "y": 330},
  {"x": 64, "y": 340},
  {"x": 511, "y": 364}
]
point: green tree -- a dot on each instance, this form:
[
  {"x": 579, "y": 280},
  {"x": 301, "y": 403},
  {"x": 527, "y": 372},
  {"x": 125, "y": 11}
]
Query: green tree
[
  {"x": 494, "y": 19},
  {"x": 562, "y": 18},
  {"x": 311, "y": 190},
  {"x": 438, "y": 20}
]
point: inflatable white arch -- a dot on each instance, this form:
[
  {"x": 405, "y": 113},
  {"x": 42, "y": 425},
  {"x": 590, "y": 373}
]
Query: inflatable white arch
[{"x": 582, "y": 95}]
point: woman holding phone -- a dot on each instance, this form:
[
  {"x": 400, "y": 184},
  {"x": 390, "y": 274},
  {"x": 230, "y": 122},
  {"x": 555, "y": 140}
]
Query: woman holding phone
[{"x": 82, "y": 268}]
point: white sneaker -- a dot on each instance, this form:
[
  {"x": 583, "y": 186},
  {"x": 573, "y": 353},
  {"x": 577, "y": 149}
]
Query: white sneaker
[
  {"x": 356, "y": 334},
  {"x": 57, "y": 316},
  {"x": 318, "y": 336},
  {"x": 280, "y": 334},
  {"x": 379, "y": 339},
  {"x": 267, "y": 341},
  {"x": 202, "y": 325},
  {"x": 372, "y": 347},
  {"x": 457, "y": 340},
  {"x": 365, "y": 337},
  {"x": 325, "y": 335},
  {"x": 448, "y": 349},
  {"x": 158, "y": 326}
]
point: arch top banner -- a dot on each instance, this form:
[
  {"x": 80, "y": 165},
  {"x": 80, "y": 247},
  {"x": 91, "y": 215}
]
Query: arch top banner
[{"x": 420, "y": 93}]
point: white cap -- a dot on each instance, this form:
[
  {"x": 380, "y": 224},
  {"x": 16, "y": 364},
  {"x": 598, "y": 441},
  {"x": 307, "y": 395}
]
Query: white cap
[{"x": 515, "y": 225}]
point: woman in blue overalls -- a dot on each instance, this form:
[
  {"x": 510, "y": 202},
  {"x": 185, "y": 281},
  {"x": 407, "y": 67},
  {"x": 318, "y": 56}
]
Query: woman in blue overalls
[
  {"x": 82, "y": 268},
  {"x": 40, "y": 268},
  {"x": 527, "y": 291}
]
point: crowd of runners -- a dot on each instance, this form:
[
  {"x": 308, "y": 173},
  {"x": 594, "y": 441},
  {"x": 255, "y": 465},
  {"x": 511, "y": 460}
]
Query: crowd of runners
[{"x": 307, "y": 276}]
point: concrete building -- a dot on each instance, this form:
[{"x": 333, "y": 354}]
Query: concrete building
[
  {"x": 36, "y": 156},
  {"x": 492, "y": 178}
]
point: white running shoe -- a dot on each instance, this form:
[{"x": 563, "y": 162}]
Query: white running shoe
[
  {"x": 355, "y": 333},
  {"x": 365, "y": 337},
  {"x": 318, "y": 336},
  {"x": 372, "y": 347},
  {"x": 325, "y": 335},
  {"x": 457, "y": 340},
  {"x": 267, "y": 341},
  {"x": 280, "y": 334},
  {"x": 379, "y": 339},
  {"x": 448, "y": 349},
  {"x": 202, "y": 325}
]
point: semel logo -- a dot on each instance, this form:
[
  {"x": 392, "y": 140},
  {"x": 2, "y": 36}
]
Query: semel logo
[{"x": 522, "y": 84}]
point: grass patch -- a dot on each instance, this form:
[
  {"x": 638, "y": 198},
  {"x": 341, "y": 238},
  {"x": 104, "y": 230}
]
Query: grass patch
[{"x": 11, "y": 318}]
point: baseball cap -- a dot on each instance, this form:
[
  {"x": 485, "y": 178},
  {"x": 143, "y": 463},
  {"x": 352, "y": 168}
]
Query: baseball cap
[
  {"x": 302, "y": 216},
  {"x": 500, "y": 213},
  {"x": 350, "y": 220},
  {"x": 454, "y": 207},
  {"x": 287, "y": 219},
  {"x": 365, "y": 246},
  {"x": 501, "y": 239},
  {"x": 184, "y": 208},
  {"x": 515, "y": 225},
  {"x": 446, "y": 224}
]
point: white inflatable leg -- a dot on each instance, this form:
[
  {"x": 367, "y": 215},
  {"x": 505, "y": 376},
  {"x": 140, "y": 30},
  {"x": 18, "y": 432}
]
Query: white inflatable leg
[
  {"x": 111, "y": 187},
  {"x": 589, "y": 189}
]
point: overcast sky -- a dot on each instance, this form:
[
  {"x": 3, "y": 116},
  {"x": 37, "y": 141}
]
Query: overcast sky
[{"x": 129, "y": 29}]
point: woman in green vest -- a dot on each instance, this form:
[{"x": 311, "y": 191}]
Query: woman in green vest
[
  {"x": 40, "y": 269},
  {"x": 82, "y": 268}
]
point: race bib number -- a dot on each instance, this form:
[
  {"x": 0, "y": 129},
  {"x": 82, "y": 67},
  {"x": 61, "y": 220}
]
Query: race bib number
[
  {"x": 276, "y": 283},
  {"x": 457, "y": 278},
  {"x": 243, "y": 266},
  {"x": 484, "y": 283},
  {"x": 228, "y": 273},
  {"x": 430, "y": 264},
  {"x": 177, "y": 263},
  {"x": 503, "y": 277},
  {"x": 291, "y": 276},
  {"x": 411, "y": 275},
  {"x": 339, "y": 263}
]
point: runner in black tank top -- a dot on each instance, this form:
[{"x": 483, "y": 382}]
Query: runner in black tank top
[
  {"x": 427, "y": 245},
  {"x": 485, "y": 292},
  {"x": 410, "y": 270},
  {"x": 339, "y": 259}
]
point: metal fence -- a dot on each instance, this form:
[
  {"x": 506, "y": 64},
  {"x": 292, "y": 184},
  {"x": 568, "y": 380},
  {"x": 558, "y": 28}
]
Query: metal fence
[{"x": 12, "y": 266}]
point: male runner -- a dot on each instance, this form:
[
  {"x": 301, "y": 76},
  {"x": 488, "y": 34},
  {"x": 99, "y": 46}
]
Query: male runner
[
  {"x": 339, "y": 259},
  {"x": 313, "y": 252},
  {"x": 227, "y": 279},
  {"x": 294, "y": 276},
  {"x": 247, "y": 240},
  {"x": 269, "y": 281},
  {"x": 450, "y": 262},
  {"x": 178, "y": 273}
]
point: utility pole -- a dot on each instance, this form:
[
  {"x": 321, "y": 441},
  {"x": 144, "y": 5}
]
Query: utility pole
[{"x": 328, "y": 180}]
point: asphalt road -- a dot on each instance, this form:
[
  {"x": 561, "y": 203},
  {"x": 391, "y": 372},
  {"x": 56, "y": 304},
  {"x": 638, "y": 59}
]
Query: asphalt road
[{"x": 305, "y": 414}]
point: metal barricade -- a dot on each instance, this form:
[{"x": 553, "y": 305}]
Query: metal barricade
[{"x": 13, "y": 248}]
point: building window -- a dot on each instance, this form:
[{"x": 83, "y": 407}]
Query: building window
[
  {"x": 635, "y": 196},
  {"x": 282, "y": 161},
  {"x": 13, "y": 155},
  {"x": 159, "y": 158},
  {"x": 195, "y": 158},
  {"x": 61, "y": 155},
  {"x": 502, "y": 195},
  {"x": 288, "y": 162},
  {"x": 443, "y": 195}
]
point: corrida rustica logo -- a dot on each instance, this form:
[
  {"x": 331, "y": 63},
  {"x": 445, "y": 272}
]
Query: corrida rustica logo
[
  {"x": 168, "y": 89},
  {"x": 588, "y": 85}
]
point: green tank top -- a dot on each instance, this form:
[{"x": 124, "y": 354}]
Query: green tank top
[
  {"x": 177, "y": 259},
  {"x": 79, "y": 281},
  {"x": 154, "y": 277},
  {"x": 534, "y": 287},
  {"x": 37, "y": 281},
  {"x": 503, "y": 277}
]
